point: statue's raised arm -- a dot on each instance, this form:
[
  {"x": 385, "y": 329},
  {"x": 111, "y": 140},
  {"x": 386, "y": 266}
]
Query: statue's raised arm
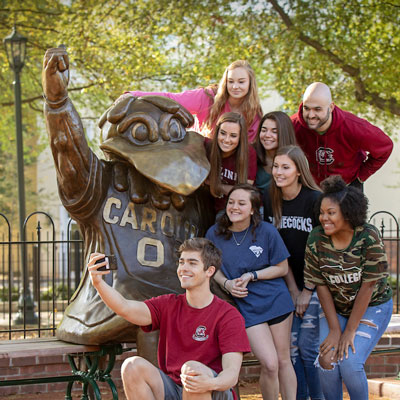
[
  {"x": 72, "y": 155},
  {"x": 139, "y": 203},
  {"x": 55, "y": 76}
]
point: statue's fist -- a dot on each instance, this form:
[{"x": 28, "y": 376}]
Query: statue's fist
[{"x": 55, "y": 75}]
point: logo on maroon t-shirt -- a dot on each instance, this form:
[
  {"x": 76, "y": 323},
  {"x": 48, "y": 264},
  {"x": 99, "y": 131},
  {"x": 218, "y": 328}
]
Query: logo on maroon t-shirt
[
  {"x": 228, "y": 174},
  {"x": 200, "y": 334},
  {"x": 324, "y": 155}
]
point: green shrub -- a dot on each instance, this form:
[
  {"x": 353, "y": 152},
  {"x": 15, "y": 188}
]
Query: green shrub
[
  {"x": 4, "y": 293},
  {"x": 392, "y": 282},
  {"x": 61, "y": 293}
]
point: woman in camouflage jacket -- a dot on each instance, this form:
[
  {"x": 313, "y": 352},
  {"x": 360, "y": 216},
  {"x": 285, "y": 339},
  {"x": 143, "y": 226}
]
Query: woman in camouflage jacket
[{"x": 346, "y": 260}]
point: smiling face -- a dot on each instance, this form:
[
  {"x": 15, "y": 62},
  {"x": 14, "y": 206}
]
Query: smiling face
[
  {"x": 191, "y": 271},
  {"x": 239, "y": 209},
  {"x": 269, "y": 135},
  {"x": 284, "y": 172},
  {"x": 331, "y": 218},
  {"x": 317, "y": 114},
  {"x": 228, "y": 138},
  {"x": 238, "y": 83},
  {"x": 318, "y": 107}
]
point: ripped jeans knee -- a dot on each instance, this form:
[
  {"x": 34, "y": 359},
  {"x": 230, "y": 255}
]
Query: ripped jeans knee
[
  {"x": 351, "y": 370},
  {"x": 366, "y": 333}
]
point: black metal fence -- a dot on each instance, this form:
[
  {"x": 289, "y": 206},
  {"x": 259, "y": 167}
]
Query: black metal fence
[
  {"x": 38, "y": 275},
  {"x": 389, "y": 228}
]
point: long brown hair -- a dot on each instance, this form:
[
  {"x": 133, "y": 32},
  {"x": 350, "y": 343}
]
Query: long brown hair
[
  {"x": 306, "y": 179},
  {"x": 224, "y": 222},
  {"x": 250, "y": 106},
  {"x": 286, "y": 135},
  {"x": 241, "y": 152}
]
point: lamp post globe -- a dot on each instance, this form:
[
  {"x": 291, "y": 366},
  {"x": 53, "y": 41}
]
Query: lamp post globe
[{"x": 15, "y": 45}]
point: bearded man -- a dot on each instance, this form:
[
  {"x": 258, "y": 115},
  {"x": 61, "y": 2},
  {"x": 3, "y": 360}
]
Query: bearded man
[{"x": 337, "y": 142}]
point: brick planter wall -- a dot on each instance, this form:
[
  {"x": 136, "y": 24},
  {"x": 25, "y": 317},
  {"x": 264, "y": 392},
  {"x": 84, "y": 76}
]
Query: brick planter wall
[
  {"x": 381, "y": 366},
  {"x": 376, "y": 366},
  {"x": 36, "y": 367}
]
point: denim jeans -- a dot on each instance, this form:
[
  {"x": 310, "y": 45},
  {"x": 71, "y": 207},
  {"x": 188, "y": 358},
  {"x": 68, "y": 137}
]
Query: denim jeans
[
  {"x": 372, "y": 326},
  {"x": 304, "y": 351}
]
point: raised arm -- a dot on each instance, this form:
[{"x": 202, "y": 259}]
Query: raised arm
[
  {"x": 72, "y": 156},
  {"x": 133, "y": 311}
]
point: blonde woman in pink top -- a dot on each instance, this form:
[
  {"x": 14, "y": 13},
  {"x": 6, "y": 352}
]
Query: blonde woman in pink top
[{"x": 236, "y": 91}]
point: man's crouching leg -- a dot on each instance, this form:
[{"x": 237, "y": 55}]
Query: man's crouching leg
[
  {"x": 141, "y": 380},
  {"x": 196, "y": 381}
]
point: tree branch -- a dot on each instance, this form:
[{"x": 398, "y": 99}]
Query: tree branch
[
  {"x": 39, "y": 28},
  {"x": 388, "y": 3},
  {"x": 361, "y": 93},
  {"x": 142, "y": 78},
  {"x": 32, "y": 99},
  {"x": 8, "y": 10}
]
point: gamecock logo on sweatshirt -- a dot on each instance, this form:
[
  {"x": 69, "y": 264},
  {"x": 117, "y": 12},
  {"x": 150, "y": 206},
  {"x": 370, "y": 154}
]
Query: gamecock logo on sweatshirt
[{"x": 324, "y": 155}]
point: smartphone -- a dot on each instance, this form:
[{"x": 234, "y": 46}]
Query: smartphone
[{"x": 111, "y": 263}]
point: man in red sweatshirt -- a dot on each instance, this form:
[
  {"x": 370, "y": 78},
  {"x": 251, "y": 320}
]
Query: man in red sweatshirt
[{"x": 337, "y": 142}]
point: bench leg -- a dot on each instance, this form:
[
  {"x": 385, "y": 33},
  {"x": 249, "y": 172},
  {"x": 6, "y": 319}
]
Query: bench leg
[
  {"x": 113, "y": 388},
  {"x": 68, "y": 395},
  {"x": 93, "y": 386},
  {"x": 92, "y": 371}
]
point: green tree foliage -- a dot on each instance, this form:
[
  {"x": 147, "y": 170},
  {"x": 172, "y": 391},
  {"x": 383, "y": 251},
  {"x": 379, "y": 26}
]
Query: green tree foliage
[
  {"x": 351, "y": 45},
  {"x": 115, "y": 45}
]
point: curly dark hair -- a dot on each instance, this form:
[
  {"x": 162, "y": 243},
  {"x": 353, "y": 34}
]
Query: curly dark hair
[
  {"x": 352, "y": 202},
  {"x": 224, "y": 223}
]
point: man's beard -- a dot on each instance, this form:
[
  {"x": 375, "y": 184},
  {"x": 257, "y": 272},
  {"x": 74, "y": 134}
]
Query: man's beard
[{"x": 321, "y": 122}]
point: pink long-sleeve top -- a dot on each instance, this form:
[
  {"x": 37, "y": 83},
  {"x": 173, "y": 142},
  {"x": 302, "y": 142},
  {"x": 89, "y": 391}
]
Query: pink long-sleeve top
[{"x": 198, "y": 103}]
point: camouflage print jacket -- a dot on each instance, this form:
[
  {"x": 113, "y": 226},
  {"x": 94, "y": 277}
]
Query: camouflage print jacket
[{"x": 343, "y": 271}]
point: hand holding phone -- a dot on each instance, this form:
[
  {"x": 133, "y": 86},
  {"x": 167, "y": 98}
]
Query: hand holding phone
[{"x": 111, "y": 263}]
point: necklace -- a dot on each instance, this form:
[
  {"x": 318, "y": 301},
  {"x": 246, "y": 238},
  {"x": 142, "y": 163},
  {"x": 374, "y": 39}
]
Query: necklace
[{"x": 244, "y": 237}]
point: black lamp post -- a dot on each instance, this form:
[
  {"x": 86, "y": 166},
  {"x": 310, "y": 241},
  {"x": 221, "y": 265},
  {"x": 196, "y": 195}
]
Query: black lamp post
[{"x": 15, "y": 45}]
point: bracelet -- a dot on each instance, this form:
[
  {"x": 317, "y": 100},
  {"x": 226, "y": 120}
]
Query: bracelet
[
  {"x": 226, "y": 280},
  {"x": 56, "y": 103},
  {"x": 307, "y": 288},
  {"x": 255, "y": 276}
]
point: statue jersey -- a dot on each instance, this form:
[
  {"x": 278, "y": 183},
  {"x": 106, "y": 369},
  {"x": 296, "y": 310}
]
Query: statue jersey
[{"x": 142, "y": 236}]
